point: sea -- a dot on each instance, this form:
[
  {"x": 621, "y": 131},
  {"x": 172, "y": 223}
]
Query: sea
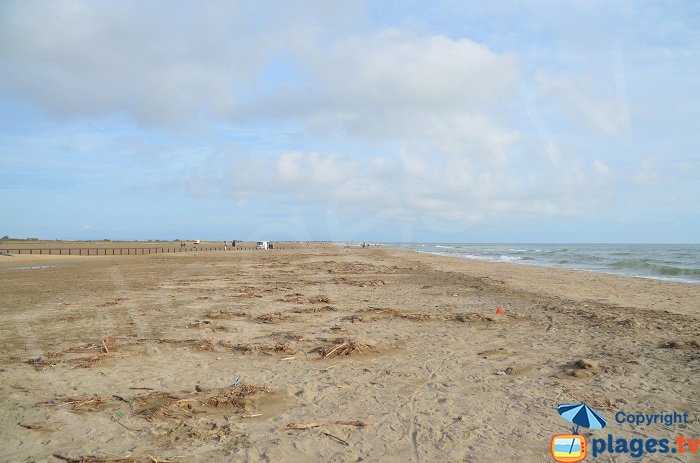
[{"x": 676, "y": 262}]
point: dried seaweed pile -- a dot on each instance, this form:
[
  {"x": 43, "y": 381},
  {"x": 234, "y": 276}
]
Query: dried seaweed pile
[
  {"x": 107, "y": 348},
  {"x": 279, "y": 348},
  {"x": 342, "y": 347},
  {"x": 223, "y": 314},
  {"x": 162, "y": 404},
  {"x": 374, "y": 314},
  {"x": 80, "y": 403},
  {"x": 360, "y": 283},
  {"x": 272, "y": 317}
]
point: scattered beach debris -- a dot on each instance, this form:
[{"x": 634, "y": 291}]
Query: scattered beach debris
[
  {"x": 267, "y": 349},
  {"x": 304, "y": 426},
  {"x": 164, "y": 404},
  {"x": 236, "y": 397},
  {"x": 584, "y": 368},
  {"x": 93, "y": 459},
  {"x": 223, "y": 315},
  {"x": 360, "y": 283},
  {"x": 330, "y": 266},
  {"x": 36, "y": 426},
  {"x": 107, "y": 343},
  {"x": 106, "y": 349},
  {"x": 120, "y": 414},
  {"x": 207, "y": 324},
  {"x": 341, "y": 347},
  {"x": 629, "y": 323},
  {"x": 354, "y": 319},
  {"x": 197, "y": 344},
  {"x": 84, "y": 404},
  {"x": 325, "y": 308},
  {"x": 335, "y": 438},
  {"x": 377, "y": 313},
  {"x": 47, "y": 361},
  {"x": 586, "y": 364},
  {"x": 420, "y": 317},
  {"x": 112, "y": 302},
  {"x": 238, "y": 348},
  {"x": 299, "y": 298},
  {"x": 249, "y": 291},
  {"x": 89, "y": 361},
  {"x": 468, "y": 317},
  {"x": 112, "y": 459},
  {"x": 355, "y": 423},
  {"x": 273, "y": 317},
  {"x": 679, "y": 344},
  {"x": 488, "y": 354}
]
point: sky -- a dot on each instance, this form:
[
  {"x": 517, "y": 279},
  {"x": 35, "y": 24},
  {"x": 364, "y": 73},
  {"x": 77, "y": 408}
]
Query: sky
[{"x": 442, "y": 121}]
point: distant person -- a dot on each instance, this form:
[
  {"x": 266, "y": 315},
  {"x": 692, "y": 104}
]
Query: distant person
[
  {"x": 233, "y": 243},
  {"x": 225, "y": 246}
]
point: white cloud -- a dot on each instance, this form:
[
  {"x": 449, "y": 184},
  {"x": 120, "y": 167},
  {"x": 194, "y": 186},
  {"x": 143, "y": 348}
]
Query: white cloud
[
  {"x": 397, "y": 70},
  {"x": 451, "y": 189},
  {"x": 165, "y": 66},
  {"x": 157, "y": 62}
]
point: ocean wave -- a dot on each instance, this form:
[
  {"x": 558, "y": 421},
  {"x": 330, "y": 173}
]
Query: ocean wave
[
  {"x": 30, "y": 267},
  {"x": 658, "y": 269},
  {"x": 471, "y": 256},
  {"x": 645, "y": 261}
]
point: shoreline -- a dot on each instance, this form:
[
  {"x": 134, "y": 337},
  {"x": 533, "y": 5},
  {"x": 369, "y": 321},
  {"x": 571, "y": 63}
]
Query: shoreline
[
  {"x": 640, "y": 292},
  {"x": 659, "y": 278},
  {"x": 531, "y": 261}
]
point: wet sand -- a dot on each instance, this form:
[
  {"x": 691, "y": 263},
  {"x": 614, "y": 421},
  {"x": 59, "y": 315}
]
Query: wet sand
[{"x": 372, "y": 355}]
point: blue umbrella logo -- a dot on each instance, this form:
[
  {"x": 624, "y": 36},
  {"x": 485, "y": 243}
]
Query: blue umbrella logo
[{"x": 581, "y": 415}]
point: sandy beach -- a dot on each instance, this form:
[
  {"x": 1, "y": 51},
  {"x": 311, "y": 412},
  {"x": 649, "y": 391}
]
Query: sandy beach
[{"x": 333, "y": 354}]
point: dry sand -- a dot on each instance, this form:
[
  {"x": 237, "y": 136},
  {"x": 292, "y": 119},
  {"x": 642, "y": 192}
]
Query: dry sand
[{"x": 383, "y": 355}]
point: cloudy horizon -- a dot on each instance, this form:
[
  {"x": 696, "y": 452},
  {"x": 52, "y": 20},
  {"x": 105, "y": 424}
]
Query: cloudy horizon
[{"x": 370, "y": 121}]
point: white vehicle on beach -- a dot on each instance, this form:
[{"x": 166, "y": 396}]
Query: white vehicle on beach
[{"x": 262, "y": 245}]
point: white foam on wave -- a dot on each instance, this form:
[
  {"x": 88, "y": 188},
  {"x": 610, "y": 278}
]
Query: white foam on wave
[
  {"x": 30, "y": 267},
  {"x": 472, "y": 256}
]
